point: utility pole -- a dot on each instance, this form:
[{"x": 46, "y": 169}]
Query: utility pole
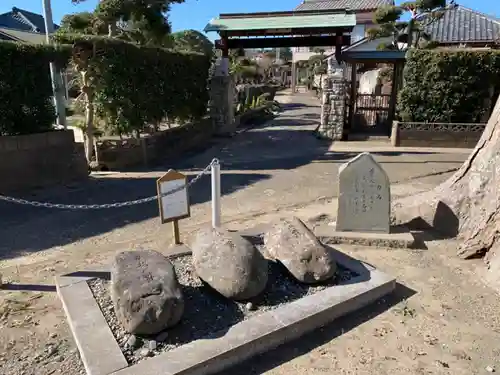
[{"x": 57, "y": 85}]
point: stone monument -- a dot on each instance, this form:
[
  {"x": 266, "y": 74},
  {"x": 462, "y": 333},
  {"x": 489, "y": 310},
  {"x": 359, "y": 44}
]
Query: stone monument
[{"x": 364, "y": 203}]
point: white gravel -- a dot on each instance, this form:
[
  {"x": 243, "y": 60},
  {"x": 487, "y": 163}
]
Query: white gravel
[{"x": 206, "y": 312}]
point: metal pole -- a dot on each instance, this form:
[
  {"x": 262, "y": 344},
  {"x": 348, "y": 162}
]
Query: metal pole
[
  {"x": 216, "y": 195},
  {"x": 57, "y": 86}
]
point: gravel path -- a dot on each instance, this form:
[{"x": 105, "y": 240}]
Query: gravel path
[{"x": 206, "y": 314}]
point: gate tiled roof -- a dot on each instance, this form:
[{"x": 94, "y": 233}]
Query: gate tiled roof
[{"x": 359, "y": 5}]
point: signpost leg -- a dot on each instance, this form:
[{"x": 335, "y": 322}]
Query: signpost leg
[
  {"x": 216, "y": 195},
  {"x": 177, "y": 237}
]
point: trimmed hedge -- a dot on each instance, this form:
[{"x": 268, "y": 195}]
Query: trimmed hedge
[
  {"x": 449, "y": 85},
  {"x": 25, "y": 87},
  {"x": 134, "y": 85},
  {"x": 139, "y": 85}
]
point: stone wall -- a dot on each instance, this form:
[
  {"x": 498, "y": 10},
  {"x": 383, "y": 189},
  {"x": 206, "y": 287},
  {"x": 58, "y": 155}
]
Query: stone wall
[
  {"x": 39, "y": 160},
  {"x": 333, "y": 107},
  {"x": 222, "y": 104},
  {"x": 411, "y": 134},
  {"x": 155, "y": 148}
]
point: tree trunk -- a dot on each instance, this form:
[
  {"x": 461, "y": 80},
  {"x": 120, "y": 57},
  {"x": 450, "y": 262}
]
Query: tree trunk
[
  {"x": 111, "y": 29},
  {"x": 467, "y": 205},
  {"x": 96, "y": 151},
  {"x": 89, "y": 116},
  {"x": 89, "y": 123}
]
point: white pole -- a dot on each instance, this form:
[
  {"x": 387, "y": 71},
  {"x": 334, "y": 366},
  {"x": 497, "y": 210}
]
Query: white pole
[
  {"x": 54, "y": 74},
  {"x": 216, "y": 194}
]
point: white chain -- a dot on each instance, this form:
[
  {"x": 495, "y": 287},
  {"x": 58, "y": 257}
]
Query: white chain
[{"x": 205, "y": 171}]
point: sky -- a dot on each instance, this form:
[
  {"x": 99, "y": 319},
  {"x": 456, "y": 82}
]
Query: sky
[{"x": 194, "y": 14}]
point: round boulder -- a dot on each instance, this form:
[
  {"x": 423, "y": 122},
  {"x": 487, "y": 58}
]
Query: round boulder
[
  {"x": 229, "y": 263},
  {"x": 293, "y": 244},
  {"x": 145, "y": 291}
]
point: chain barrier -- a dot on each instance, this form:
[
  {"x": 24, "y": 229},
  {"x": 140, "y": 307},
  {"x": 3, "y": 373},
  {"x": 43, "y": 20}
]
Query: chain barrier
[{"x": 205, "y": 171}]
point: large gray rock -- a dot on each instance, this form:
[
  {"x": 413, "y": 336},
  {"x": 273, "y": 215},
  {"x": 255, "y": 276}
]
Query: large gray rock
[
  {"x": 294, "y": 245},
  {"x": 145, "y": 291},
  {"x": 229, "y": 263}
]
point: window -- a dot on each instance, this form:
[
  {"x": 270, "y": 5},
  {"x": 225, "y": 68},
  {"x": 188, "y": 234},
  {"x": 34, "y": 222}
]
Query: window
[
  {"x": 302, "y": 49},
  {"x": 358, "y": 33}
]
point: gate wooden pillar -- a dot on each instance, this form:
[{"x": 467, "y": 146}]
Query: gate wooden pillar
[
  {"x": 352, "y": 101},
  {"x": 397, "y": 76}
]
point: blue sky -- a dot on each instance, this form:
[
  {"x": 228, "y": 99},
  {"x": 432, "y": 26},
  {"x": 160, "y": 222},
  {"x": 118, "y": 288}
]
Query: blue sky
[{"x": 194, "y": 14}]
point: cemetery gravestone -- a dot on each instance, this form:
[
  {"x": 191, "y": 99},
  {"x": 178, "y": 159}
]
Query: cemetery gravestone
[{"x": 364, "y": 203}]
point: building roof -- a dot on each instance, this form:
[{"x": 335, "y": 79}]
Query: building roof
[
  {"x": 367, "y": 49},
  {"x": 22, "y": 20},
  {"x": 356, "y": 5},
  {"x": 21, "y": 36},
  {"x": 464, "y": 25},
  {"x": 280, "y": 21}
]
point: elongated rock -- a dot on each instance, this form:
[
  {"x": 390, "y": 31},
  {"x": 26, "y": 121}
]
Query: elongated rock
[
  {"x": 145, "y": 291},
  {"x": 229, "y": 263},
  {"x": 290, "y": 242}
]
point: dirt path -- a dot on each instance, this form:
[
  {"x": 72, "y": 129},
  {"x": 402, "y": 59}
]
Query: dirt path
[
  {"x": 439, "y": 321},
  {"x": 273, "y": 170}
]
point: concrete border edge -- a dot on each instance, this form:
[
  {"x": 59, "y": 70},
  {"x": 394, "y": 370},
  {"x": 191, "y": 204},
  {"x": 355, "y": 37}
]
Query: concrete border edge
[{"x": 102, "y": 355}]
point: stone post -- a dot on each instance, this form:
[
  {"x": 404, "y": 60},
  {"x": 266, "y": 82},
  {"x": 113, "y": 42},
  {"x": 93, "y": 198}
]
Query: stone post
[
  {"x": 222, "y": 98},
  {"x": 333, "y": 102}
]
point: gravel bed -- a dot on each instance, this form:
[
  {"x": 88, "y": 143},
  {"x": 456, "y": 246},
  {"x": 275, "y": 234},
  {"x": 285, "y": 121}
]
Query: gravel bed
[{"x": 206, "y": 312}]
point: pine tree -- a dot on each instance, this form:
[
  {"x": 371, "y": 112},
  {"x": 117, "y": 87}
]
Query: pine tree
[{"x": 411, "y": 33}]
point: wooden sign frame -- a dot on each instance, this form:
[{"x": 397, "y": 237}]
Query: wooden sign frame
[{"x": 172, "y": 175}]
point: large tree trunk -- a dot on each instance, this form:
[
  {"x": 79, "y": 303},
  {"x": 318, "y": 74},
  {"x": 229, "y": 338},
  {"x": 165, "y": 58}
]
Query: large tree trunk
[{"x": 467, "y": 205}]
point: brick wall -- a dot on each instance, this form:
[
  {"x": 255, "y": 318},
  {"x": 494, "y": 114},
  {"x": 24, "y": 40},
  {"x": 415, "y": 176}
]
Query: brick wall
[
  {"x": 40, "y": 160},
  {"x": 436, "y": 134}
]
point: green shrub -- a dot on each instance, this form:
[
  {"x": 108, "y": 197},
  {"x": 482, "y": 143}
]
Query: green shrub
[
  {"x": 449, "y": 85},
  {"x": 140, "y": 85},
  {"x": 134, "y": 85},
  {"x": 249, "y": 92},
  {"x": 25, "y": 87}
]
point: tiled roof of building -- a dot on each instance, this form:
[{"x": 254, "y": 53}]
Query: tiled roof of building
[
  {"x": 359, "y": 5},
  {"x": 21, "y": 36},
  {"x": 22, "y": 20},
  {"x": 464, "y": 25}
]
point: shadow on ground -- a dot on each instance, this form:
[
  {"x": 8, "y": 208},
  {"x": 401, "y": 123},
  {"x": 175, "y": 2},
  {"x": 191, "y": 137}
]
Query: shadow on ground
[
  {"x": 305, "y": 344},
  {"x": 288, "y": 106},
  {"x": 285, "y": 143},
  {"x": 27, "y": 229},
  {"x": 290, "y": 121}
]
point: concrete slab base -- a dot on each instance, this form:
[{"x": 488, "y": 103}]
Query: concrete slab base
[
  {"x": 402, "y": 239},
  {"x": 102, "y": 355},
  {"x": 398, "y": 238}
]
